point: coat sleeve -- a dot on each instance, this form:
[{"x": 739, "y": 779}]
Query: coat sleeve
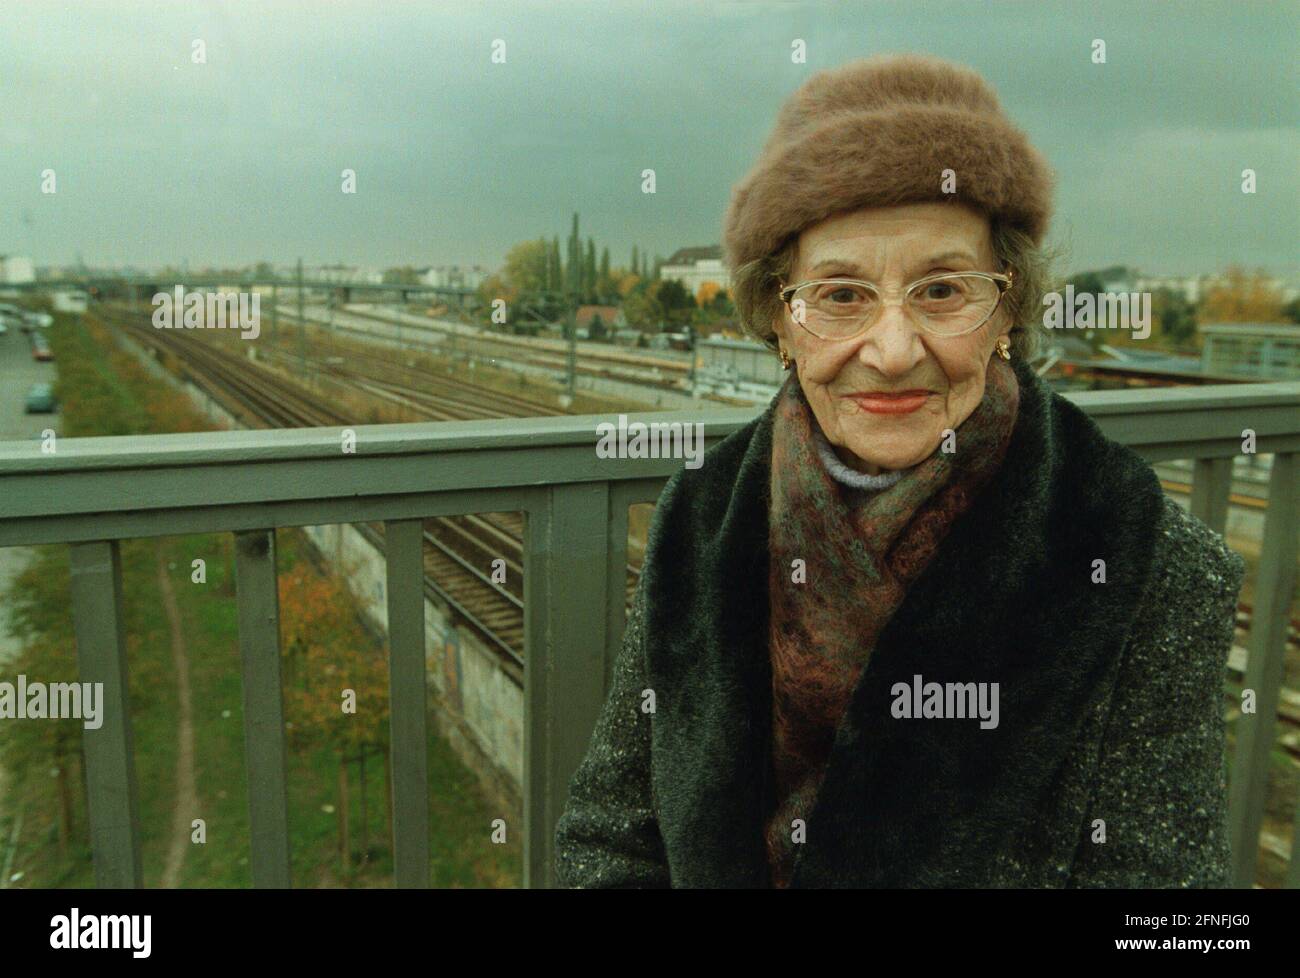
[
  {"x": 1161, "y": 776},
  {"x": 608, "y": 835}
]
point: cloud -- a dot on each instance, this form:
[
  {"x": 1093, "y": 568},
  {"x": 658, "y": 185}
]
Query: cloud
[{"x": 459, "y": 158}]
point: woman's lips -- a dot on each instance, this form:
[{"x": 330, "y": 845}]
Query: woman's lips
[{"x": 903, "y": 402}]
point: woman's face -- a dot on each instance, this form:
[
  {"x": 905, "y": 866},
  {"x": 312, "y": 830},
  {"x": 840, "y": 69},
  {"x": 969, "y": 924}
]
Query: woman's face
[{"x": 892, "y": 247}]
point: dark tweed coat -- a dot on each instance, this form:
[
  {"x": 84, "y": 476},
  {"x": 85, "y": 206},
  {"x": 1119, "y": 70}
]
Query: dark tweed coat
[{"x": 1111, "y": 695}]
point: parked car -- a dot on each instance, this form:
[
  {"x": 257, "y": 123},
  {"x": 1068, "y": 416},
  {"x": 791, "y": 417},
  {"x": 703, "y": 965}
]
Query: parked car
[
  {"x": 41, "y": 319},
  {"x": 41, "y": 349},
  {"x": 3, "y": 328},
  {"x": 41, "y": 400}
]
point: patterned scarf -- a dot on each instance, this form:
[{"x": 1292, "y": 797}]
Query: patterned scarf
[{"x": 860, "y": 552}]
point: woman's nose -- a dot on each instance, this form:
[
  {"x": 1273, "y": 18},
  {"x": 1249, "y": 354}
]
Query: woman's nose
[{"x": 893, "y": 345}]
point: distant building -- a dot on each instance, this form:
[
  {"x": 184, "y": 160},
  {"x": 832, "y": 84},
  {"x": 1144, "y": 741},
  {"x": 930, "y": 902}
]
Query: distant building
[
  {"x": 70, "y": 300},
  {"x": 726, "y": 366},
  {"x": 1267, "y": 351},
  {"x": 1187, "y": 286},
  {"x": 15, "y": 270},
  {"x": 695, "y": 266},
  {"x": 453, "y": 276}
]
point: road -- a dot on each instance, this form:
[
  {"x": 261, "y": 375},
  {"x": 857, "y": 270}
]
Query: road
[{"x": 18, "y": 371}]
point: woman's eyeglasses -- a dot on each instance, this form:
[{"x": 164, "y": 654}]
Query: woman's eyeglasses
[{"x": 946, "y": 304}]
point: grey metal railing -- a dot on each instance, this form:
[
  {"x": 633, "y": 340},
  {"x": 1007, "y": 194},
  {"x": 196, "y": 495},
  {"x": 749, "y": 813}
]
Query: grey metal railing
[{"x": 93, "y": 492}]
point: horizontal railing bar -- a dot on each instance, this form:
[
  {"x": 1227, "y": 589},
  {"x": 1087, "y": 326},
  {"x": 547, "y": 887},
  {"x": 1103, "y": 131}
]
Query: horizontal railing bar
[
  {"x": 249, "y": 516},
  {"x": 357, "y": 477},
  {"x": 1168, "y": 451},
  {"x": 631, "y": 492},
  {"x": 1276, "y": 423},
  {"x": 541, "y": 435},
  {"x": 1212, "y": 397},
  {"x": 362, "y": 481},
  {"x": 117, "y": 505},
  {"x": 529, "y": 435}
]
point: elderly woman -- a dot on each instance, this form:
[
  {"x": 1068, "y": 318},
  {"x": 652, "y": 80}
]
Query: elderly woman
[{"x": 919, "y": 624}]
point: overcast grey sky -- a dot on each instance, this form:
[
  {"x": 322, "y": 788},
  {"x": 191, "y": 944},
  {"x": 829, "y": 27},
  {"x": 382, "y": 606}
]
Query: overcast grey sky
[{"x": 158, "y": 159}]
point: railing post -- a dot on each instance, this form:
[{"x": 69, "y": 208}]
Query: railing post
[
  {"x": 259, "y": 653},
  {"x": 1211, "y": 484},
  {"x": 566, "y": 592},
  {"x": 615, "y": 584},
  {"x": 110, "y": 754},
  {"x": 1256, "y": 732},
  {"x": 404, "y": 553}
]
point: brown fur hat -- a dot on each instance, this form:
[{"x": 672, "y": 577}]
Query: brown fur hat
[{"x": 881, "y": 131}]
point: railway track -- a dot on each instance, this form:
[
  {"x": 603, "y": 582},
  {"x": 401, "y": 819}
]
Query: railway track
[
  {"x": 413, "y": 388},
  {"x": 615, "y": 355},
  {"x": 613, "y": 365},
  {"x": 459, "y": 550}
]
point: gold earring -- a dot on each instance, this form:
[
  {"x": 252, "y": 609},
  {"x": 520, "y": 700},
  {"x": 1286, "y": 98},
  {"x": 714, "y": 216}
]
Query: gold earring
[
  {"x": 785, "y": 359},
  {"x": 1004, "y": 348}
]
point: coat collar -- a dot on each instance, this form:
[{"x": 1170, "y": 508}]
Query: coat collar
[{"x": 1008, "y": 598}]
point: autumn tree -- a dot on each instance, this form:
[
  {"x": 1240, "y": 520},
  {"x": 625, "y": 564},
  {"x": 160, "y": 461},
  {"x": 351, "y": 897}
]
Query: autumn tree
[
  {"x": 642, "y": 311},
  {"x": 705, "y": 293},
  {"x": 625, "y": 282},
  {"x": 491, "y": 288},
  {"x": 1242, "y": 297},
  {"x": 525, "y": 267},
  {"x": 335, "y": 683}
]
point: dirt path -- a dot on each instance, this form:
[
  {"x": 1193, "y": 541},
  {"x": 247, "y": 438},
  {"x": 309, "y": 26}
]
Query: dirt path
[{"x": 187, "y": 799}]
